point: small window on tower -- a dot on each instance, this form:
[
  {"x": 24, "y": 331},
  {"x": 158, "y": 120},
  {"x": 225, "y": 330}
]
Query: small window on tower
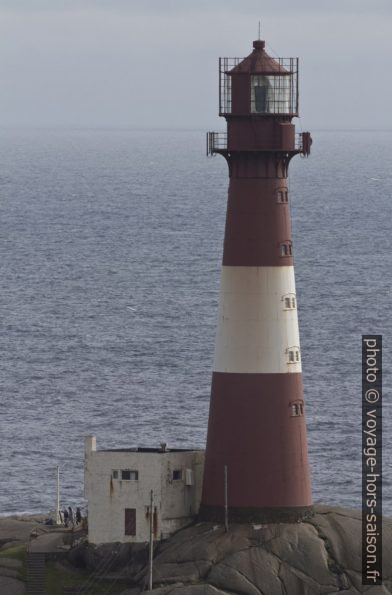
[
  {"x": 293, "y": 355},
  {"x": 296, "y": 408},
  {"x": 177, "y": 474},
  {"x": 282, "y": 196},
  {"x": 286, "y": 248},
  {"x": 289, "y": 301},
  {"x": 115, "y": 474}
]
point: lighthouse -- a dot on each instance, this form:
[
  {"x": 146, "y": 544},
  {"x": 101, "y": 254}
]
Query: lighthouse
[{"x": 256, "y": 462}]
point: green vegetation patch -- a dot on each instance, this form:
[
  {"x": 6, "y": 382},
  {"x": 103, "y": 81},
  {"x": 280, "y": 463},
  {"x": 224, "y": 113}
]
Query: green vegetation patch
[
  {"x": 58, "y": 576},
  {"x": 17, "y": 552}
]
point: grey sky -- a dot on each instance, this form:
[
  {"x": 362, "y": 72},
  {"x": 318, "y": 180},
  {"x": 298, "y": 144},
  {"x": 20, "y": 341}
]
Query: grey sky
[{"x": 153, "y": 63}]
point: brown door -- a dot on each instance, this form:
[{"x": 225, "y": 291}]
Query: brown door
[{"x": 130, "y": 521}]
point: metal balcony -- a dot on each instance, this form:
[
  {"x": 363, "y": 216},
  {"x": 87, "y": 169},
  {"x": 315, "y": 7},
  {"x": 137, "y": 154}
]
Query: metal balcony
[{"x": 217, "y": 143}]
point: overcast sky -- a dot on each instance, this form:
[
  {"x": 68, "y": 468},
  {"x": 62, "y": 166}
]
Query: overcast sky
[{"x": 153, "y": 63}]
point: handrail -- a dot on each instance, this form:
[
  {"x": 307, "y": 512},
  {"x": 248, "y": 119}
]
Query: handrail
[{"x": 217, "y": 143}]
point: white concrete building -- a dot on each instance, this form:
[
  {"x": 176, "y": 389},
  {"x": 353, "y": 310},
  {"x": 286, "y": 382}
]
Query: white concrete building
[{"x": 118, "y": 484}]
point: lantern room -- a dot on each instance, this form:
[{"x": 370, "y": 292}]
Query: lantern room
[
  {"x": 258, "y": 96},
  {"x": 258, "y": 84}
]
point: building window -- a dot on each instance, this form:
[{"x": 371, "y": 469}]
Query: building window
[
  {"x": 115, "y": 474},
  {"x": 177, "y": 474},
  {"x": 293, "y": 355},
  {"x": 129, "y": 475},
  {"x": 130, "y": 521},
  {"x": 286, "y": 248}
]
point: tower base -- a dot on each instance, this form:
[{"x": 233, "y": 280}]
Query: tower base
[{"x": 216, "y": 514}]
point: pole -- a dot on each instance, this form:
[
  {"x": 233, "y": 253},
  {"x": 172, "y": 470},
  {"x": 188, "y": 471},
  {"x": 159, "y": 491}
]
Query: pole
[
  {"x": 151, "y": 542},
  {"x": 58, "y": 520},
  {"x": 226, "y": 503}
]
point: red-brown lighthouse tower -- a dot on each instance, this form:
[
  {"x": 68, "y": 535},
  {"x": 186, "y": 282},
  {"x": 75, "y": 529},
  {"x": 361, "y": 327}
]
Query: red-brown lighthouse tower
[{"x": 256, "y": 423}]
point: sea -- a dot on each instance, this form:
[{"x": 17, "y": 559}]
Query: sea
[{"x": 110, "y": 257}]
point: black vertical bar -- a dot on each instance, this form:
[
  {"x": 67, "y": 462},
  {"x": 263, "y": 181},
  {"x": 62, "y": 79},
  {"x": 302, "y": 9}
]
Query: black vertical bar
[{"x": 220, "y": 84}]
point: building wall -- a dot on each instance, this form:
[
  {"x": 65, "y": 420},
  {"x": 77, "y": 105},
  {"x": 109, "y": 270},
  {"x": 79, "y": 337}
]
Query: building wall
[
  {"x": 180, "y": 502},
  {"x": 176, "y": 503}
]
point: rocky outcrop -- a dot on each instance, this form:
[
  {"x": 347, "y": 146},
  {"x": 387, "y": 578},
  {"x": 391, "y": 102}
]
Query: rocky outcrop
[{"x": 319, "y": 556}]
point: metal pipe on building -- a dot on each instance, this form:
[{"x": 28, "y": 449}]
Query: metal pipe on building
[{"x": 151, "y": 552}]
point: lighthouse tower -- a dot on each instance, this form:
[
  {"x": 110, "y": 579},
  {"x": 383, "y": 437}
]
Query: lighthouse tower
[{"x": 256, "y": 454}]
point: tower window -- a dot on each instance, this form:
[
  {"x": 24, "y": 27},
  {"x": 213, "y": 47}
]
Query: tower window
[
  {"x": 177, "y": 474},
  {"x": 296, "y": 408},
  {"x": 282, "y": 195},
  {"x": 289, "y": 301},
  {"x": 286, "y": 248},
  {"x": 293, "y": 355}
]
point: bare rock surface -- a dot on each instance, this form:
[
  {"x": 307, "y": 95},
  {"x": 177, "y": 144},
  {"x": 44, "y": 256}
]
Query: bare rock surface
[
  {"x": 10, "y": 563},
  {"x": 11, "y": 586},
  {"x": 14, "y": 530},
  {"x": 319, "y": 556}
]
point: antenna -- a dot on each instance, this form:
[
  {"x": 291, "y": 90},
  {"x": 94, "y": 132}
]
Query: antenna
[{"x": 259, "y": 30}]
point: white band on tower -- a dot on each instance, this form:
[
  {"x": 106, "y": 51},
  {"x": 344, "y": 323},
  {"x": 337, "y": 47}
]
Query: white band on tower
[{"x": 257, "y": 322}]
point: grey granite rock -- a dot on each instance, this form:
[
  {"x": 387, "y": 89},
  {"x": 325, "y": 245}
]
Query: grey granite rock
[
  {"x": 320, "y": 556},
  {"x": 11, "y": 586},
  {"x": 10, "y": 563}
]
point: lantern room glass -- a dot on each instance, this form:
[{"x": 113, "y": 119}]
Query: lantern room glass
[{"x": 271, "y": 94}]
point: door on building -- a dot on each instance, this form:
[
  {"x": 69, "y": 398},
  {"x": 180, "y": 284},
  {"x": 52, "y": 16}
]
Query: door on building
[{"x": 130, "y": 521}]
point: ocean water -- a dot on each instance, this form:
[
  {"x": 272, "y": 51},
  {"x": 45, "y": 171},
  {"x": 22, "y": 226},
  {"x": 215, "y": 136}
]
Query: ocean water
[{"x": 110, "y": 255}]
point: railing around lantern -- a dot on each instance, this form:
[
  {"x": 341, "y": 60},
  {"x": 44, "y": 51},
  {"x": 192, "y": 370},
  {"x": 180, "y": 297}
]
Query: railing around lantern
[
  {"x": 289, "y": 69},
  {"x": 298, "y": 142},
  {"x": 303, "y": 142},
  {"x": 216, "y": 141}
]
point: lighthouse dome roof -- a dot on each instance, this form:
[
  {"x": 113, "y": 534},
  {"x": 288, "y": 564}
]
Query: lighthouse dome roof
[{"x": 259, "y": 62}]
